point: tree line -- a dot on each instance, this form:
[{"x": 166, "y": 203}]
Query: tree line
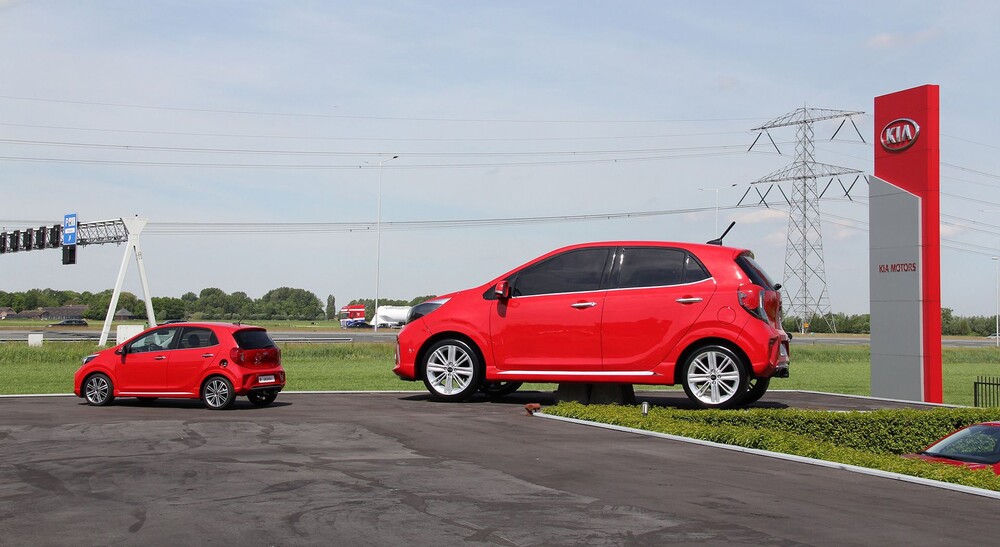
[
  {"x": 951, "y": 324},
  {"x": 300, "y": 304},
  {"x": 210, "y": 303}
]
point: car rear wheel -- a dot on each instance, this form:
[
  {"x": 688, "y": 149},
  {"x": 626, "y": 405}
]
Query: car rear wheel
[
  {"x": 499, "y": 389},
  {"x": 262, "y": 398},
  {"x": 217, "y": 393},
  {"x": 98, "y": 390},
  {"x": 715, "y": 377},
  {"x": 756, "y": 390},
  {"x": 452, "y": 371}
]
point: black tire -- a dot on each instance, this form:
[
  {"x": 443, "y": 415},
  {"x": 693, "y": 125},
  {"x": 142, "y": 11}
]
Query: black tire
[
  {"x": 757, "y": 388},
  {"x": 452, "y": 370},
  {"x": 217, "y": 393},
  {"x": 715, "y": 377},
  {"x": 98, "y": 390},
  {"x": 262, "y": 397},
  {"x": 495, "y": 390}
]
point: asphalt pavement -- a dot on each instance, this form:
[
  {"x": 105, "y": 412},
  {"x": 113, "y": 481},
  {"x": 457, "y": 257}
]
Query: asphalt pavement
[{"x": 398, "y": 469}]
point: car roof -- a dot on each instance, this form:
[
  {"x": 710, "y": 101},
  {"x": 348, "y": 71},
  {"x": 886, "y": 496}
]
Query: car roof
[
  {"x": 219, "y": 325},
  {"x": 654, "y": 243}
]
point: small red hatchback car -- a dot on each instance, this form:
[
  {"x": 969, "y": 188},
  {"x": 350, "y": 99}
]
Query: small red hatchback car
[
  {"x": 215, "y": 362},
  {"x": 975, "y": 447},
  {"x": 701, "y": 315}
]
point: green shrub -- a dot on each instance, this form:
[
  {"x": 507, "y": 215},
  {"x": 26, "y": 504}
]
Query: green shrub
[{"x": 867, "y": 439}]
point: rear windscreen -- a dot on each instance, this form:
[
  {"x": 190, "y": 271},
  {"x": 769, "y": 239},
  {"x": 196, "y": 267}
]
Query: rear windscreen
[
  {"x": 755, "y": 272},
  {"x": 253, "y": 339}
]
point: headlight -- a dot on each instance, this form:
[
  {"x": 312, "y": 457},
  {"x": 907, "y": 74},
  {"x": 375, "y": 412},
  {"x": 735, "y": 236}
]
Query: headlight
[
  {"x": 89, "y": 358},
  {"x": 423, "y": 308}
]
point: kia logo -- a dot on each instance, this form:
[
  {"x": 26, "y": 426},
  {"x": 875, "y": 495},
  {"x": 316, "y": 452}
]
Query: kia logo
[{"x": 899, "y": 134}]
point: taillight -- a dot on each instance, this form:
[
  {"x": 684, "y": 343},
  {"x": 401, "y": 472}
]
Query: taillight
[
  {"x": 752, "y": 299},
  {"x": 237, "y": 356}
]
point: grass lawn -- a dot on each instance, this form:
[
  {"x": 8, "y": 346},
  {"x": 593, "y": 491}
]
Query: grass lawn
[{"x": 361, "y": 367}]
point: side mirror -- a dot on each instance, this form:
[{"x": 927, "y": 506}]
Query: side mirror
[
  {"x": 123, "y": 351},
  {"x": 502, "y": 290}
]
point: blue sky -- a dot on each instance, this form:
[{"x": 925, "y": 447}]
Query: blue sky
[{"x": 199, "y": 114}]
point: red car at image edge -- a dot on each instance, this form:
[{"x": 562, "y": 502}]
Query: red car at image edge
[
  {"x": 633, "y": 312},
  {"x": 214, "y": 362},
  {"x": 975, "y": 447}
]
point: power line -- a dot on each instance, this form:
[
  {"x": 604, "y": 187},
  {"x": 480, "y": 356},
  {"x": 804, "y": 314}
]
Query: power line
[
  {"x": 138, "y": 163},
  {"x": 381, "y": 118},
  {"x": 373, "y": 139},
  {"x": 238, "y": 151}
]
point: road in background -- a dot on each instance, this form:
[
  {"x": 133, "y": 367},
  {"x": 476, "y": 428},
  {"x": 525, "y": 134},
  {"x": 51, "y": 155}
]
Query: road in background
[{"x": 388, "y": 336}]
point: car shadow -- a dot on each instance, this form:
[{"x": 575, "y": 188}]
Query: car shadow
[
  {"x": 194, "y": 404},
  {"x": 665, "y": 399}
]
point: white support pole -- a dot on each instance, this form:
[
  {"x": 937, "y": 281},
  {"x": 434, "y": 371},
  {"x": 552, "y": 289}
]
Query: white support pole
[
  {"x": 134, "y": 227},
  {"x": 114, "y": 298}
]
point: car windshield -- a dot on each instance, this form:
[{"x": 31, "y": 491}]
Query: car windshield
[
  {"x": 253, "y": 339},
  {"x": 976, "y": 444}
]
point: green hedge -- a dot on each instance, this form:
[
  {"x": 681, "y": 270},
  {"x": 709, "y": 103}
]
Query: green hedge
[{"x": 866, "y": 439}]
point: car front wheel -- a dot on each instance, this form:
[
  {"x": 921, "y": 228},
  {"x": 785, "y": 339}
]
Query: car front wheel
[
  {"x": 217, "y": 393},
  {"x": 452, "y": 371},
  {"x": 98, "y": 390},
  {"x": 715, "y": 377}
]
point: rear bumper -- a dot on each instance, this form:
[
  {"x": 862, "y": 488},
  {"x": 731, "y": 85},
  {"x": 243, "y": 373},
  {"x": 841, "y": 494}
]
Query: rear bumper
[
  {"x": 251, "y": 381},
  {"x": 770, "y": 358}
]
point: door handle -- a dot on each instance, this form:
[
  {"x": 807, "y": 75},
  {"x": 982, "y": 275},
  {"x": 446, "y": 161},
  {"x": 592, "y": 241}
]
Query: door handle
[
  {"x": 581, "y": 305},
  {"x": 689, "y": 300},
  {"x": 159, "y": 358},
  {"x": 207, "y": 355}
]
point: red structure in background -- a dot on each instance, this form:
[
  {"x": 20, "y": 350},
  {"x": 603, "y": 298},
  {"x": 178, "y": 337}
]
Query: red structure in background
[{"x": 907, "y": 155}]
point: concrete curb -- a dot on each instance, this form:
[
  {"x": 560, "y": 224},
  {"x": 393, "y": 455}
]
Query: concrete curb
[
  {"x": 777, "y": 455},
  {"x": 867, "y": 397}
]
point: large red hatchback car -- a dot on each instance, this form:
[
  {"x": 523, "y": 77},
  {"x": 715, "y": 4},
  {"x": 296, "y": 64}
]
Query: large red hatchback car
[
  {"x": 633, "y": 312},
  {"x": 215, "y": 362}
]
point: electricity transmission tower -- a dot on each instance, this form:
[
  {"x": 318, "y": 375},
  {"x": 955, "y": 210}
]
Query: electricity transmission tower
[{"x": 805, "y": 288}]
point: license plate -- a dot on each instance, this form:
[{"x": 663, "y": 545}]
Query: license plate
[
  {"x": 783, "y": 351},
  {"x": 265, "y": 379}
]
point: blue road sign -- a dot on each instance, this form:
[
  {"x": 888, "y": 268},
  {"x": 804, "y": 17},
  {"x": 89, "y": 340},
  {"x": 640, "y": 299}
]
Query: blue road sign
[{"x": 69, "y": 229}]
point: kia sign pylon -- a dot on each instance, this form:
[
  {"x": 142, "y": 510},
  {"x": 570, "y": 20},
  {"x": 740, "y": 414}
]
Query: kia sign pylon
[{"x": 905, "y": 247}]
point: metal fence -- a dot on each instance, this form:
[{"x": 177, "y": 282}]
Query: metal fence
[{"x": 986, "y": 391}]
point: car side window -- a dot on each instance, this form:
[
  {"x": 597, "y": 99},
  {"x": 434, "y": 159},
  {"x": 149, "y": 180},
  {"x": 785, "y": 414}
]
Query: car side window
[
  {"x": 657, "y": 267},
  {"x": 197, "y": 337},
  {"x": 157, "y": 340},
  {"x": 574, "y": 271}
]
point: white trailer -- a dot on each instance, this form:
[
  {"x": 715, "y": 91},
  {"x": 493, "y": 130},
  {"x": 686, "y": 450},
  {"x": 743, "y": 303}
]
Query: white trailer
[{"x": 391, "y": 316}]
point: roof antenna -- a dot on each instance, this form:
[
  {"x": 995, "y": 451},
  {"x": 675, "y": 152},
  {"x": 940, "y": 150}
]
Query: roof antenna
[{"x": 718, "y": 240}]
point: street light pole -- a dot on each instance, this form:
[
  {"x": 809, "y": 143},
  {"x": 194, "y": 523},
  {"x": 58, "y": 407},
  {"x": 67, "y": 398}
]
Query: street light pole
[
  {"x": 716, "y": 190},
  {"x": 378, "y": 244},
  {"x": 996, "y": 333}
]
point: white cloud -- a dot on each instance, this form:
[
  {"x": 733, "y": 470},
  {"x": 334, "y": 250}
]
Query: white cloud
[
  {"x": 894, "y": 40},
  {"x": 951, "y": 230},
  {"x": 763, "y": 215},
  {"x": 776, "y": 239}
]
